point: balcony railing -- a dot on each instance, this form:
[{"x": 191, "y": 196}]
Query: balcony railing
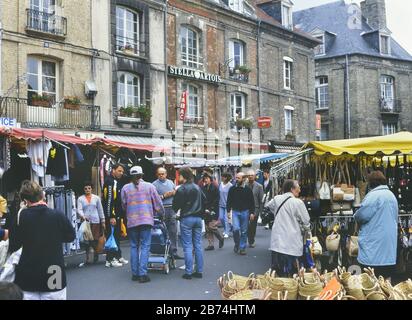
[
  {"x": 193, "y": 120},
  {"x": 234, "y": 74},
  {"x": 391, "y": 106},
  {"x": 56, "y": 115},
  {"x": 130, "y": 46},
  {"x": 45, "y": 22}
]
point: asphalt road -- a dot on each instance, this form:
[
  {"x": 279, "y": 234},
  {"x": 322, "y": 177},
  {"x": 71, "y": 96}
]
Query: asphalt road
[{"x": 98, "y": 282}]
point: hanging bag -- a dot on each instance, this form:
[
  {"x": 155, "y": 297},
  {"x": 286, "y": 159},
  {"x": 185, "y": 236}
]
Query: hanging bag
[
  {"x": 111, "y": 243},
  {"x": 332, "y": 242},
  {"x": 324, "y": 191}
]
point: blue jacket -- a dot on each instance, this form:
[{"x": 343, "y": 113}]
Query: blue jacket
[{"x": 378, "y": 220}]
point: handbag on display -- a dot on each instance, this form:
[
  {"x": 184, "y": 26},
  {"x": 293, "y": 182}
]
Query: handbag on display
[
  {"x": 332, "y": 242},
  {"x": 316, "y": 247},
  {"x": 324, "y": 191},
  {"x": 341, "y": 206},
  {"x": 358, "y": 200},
  {"x": 352, "y": 246}
]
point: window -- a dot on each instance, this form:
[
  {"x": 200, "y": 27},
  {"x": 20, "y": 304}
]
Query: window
[
  {"x": 189, "y": 40},
  {"x": 388, "y": 128},
  {"x": 324, "y": 132},
  {"x": 287, "y": 73},
  {"x": 193, "y": 112},
  {"x": 287, "y": 17},
  {"x": 387, "y": 92},
  {"x": 322, "y": 93},
  {"x": 289, "y": 120},
  {"x": 385, "y": 44},
  {"x": 320, "y": 49},
  {"x": 237, "y": 106},
  {"x": 128, "y": 90},
  {"x": 48, "y": 6},
  {"x": 41, "y": 78},
  {"x": 236, "y": 5},
  {"x": 236, "y": 51},
  {"x": 127, "y": 30}
]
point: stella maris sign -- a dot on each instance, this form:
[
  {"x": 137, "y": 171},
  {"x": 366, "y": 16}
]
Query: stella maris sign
[{"x": 193, "y": 74}]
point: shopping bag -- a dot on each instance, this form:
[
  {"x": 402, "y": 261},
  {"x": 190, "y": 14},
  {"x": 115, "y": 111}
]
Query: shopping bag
[
  {"x": 100, "y": 245},
  {"x": 316, "y": 247},
  {"x": 352, "y": 246},
  {"x": 8, "y": 272},
  {"x": 85, "y": 232},
  {"x": 123, "y": 230},
  {"x": 324, "y": 192},
  {"x": 111, "y": 243}
]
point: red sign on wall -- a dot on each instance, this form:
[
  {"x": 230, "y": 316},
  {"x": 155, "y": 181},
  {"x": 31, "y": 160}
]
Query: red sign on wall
[
  {"x": 183, "y": 106},
  {"x": 264, "y": 122}
]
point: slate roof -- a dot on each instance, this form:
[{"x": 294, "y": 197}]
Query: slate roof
[{"x": 333, "y": 17}]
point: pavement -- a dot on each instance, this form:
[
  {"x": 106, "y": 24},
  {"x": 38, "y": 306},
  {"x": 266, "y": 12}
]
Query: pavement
[{"x": 98, "y": 282}]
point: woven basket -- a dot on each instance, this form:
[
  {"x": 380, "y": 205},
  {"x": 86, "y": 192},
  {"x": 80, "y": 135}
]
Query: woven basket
[
  {"x": 251, "y": 295},
  {"x": 354, "y": 287},
  {"x": 371, "y": 288},
  {"x": 332, "y": 242},
  {"x": 376, "y": 295},
  {"x": 404, "y": 288}
]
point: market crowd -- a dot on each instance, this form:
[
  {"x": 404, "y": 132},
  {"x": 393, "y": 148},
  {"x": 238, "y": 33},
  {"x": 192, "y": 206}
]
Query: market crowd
[{"x": 234, "y": 205}]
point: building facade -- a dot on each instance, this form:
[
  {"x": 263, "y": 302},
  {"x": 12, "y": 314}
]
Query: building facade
[
  {"x": 237, "y": 62},
  {"x": 363, "y": 76}
]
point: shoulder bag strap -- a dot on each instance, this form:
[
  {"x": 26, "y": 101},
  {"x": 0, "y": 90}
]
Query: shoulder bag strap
[{"x": 280, "y": 207}]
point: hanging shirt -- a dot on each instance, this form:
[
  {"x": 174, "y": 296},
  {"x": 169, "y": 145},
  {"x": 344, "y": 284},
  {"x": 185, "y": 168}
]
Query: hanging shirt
[
  {"x": 38, "y": 153},
  {"x": 57, "y": 161}
]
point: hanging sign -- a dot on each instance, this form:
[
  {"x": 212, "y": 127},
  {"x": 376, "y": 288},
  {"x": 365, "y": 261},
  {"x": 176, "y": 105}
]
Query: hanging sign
[
  {"x": 183, "y": 106},
  {"x": 264, "y": 122},
  {"x": 8, "y": 122}
]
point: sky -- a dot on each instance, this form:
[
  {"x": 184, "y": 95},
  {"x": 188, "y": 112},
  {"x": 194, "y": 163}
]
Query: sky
[{"x": 399, "y": 13}]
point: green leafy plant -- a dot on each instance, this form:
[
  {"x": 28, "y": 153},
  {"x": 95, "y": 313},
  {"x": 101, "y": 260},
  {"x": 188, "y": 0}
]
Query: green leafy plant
[
  {"x": 145, "y": 113},
  {"x": 244, "y": 69},
  {"x": 72, "y": 100},
  {"x": 41, "y": 97},
  {"x": 244, "y": 123}
]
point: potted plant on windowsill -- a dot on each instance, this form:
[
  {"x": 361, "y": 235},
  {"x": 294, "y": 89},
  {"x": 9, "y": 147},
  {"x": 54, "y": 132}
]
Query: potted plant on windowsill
[
  {"x": 145, "y": 113},
  {"x": 244, "y": 124},
  {"x": 129, "y": 49},
  {"x": 41, "y": 100},
  {"x": 244, "y": 70},
  {"x": 72, "y": 103}
]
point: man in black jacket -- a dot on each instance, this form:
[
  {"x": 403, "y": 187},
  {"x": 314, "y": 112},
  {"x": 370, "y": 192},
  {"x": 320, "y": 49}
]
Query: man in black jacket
[
  {"x": 113, "y": 212},
  {"x": 242, "y": 204},
  {"x": 211, "y": 212},
  {"x": 40, "y": 232},
  {"x": 189, "y": 199}
]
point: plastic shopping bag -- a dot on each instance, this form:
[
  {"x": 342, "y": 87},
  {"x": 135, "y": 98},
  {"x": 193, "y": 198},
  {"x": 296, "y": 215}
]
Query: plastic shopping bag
[
  {"x": 111, "y": 243},
  {"x": 85, "y": 232},
  {"x": 8, "y": 272}
]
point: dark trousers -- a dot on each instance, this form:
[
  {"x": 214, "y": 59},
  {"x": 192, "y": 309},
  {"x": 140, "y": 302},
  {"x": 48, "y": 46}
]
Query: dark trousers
[
  {"x": 171, "y": 225},
  {"x": 213, "y": 231},
  {"x": 284, "y": 265},
  {"x": 384, "y": 271},
  {"x": 251, "y": 232},
  {"x": 117, "y": 229}
]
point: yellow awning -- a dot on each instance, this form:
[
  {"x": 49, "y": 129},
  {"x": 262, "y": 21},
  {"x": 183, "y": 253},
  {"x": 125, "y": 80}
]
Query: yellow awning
[{"x": 388, "y": 145}]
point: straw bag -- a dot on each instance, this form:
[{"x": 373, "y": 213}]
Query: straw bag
[
  {"x": 251, "y": 295},
  {"x": 405, "y": 288},
  {"x": 332, "y": 242},
  {"x": 310, "y": 285},
  {"x": 352, "y": 246},
  {"x": 316, "y": 247}
]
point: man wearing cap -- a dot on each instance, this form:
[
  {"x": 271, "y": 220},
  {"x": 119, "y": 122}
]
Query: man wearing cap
[
  {"x": 166, "y": 190},
  {"x": 141, "y": 202}
]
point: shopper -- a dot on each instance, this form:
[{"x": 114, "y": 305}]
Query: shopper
[
  {"x": 211, "y": 215},
  {"x": 291, "y": 223},
  {"x": 89, "y": 208},
  {"x": 166, "y": 190},
  {"x": 257, "y": 190},
  {"x": 241, "y": 204},
  {"x": 268, "y": 191},
  {"x": 378, "y": 221},
  {"x": 40, "y": 232},
  {"x": 10, "y": 291},
  {"x": 189, "y": 199},
  {"x": 141, "y": 202},
  {"x": 112, "y": 207},
  {"x": 224, "y": 188}
]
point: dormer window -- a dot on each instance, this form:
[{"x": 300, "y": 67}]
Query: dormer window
[
  {"x": 320, "y": 49},
  {"x": 287, "y": 16},
  {"x": 384, "y": 41},
  {"x": 236, "y": 5}
]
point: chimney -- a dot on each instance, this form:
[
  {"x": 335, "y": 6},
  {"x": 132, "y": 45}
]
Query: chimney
[{"x": 375, "y": 13}]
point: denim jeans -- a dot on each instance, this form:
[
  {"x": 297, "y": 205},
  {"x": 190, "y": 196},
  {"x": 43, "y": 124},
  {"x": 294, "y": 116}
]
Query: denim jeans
[
  {"x": 140, "y": 240},
  {"x": 240, "y": 226},
  {"x": 191, "y": 231},
  {"x": 223, "y": 219}
]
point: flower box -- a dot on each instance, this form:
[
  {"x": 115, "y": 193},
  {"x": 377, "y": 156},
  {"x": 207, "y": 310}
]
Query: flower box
[
  {"x": 41, "y": 103},
  {"x": 71, "y": 106}
]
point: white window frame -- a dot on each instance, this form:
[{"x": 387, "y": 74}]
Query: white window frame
[
  {"x": 187, "y": 59},
  {"x": 236, "y": 5},
  {"x": 122, "y": 31},
  {"x": 287, "y": 22},
  {"x": 232, "y": 44},
  {"x": 40, "y": 77},
  {"x": 320, "y": 50},
  {"x": 234, "y": 107},
  {"x": 288, "y": 116},
  {"x": 287, "y": 68},
  {"x": 389, "y": 128},
  {"x": 318, "y": 87},
  {"x": 47, "y": 6},
  {"x": 193, "y": 111},
  {"x": 388, "y": 38},
  {"x": 385, "y": 82},
  {"x": 126, "y": 93}
]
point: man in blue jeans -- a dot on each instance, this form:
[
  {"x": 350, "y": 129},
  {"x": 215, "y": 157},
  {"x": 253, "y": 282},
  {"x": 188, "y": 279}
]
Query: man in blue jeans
[
  {"x": 189, "y": 199},
  {"x": 141, "y": 202},
  {"x": 242, "y": 204}
]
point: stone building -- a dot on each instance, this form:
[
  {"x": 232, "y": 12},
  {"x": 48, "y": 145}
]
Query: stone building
[
  {"x": 238, "y": 60},
  {"x": 363, "y": 76}
]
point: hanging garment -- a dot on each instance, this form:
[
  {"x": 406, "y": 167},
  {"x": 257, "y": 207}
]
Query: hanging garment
[
  {"x": 78, "y": 154},
  {"x": 38, "y": 153},
  {"x": 102, "y": 170},
  {"x": 66, "y": 176},
  {"x": 57, "y": 163}
]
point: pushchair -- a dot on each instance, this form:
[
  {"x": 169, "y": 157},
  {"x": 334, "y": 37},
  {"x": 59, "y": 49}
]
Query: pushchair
[{"x": 160, "y": 257}]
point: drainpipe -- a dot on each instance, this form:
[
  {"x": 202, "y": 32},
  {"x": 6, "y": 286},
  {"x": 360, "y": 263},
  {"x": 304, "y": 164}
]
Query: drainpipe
[
  {"x": 1, "y": 62},
  {"x": 258, "y": 76},
  {"x": 347, "y": 101},
  {"x": 165, "y": 57}
]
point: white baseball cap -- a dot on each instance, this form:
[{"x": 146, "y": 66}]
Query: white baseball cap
[{"x": 136, "y": 171}]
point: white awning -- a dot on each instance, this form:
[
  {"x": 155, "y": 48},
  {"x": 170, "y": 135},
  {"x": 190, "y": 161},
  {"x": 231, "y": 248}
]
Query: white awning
[{"x": 161, "y": 143}]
